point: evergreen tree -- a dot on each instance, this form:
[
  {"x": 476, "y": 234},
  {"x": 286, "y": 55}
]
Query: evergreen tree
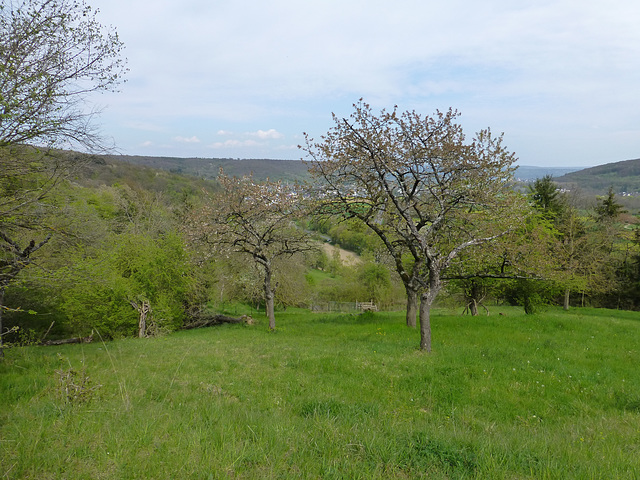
[
  {"x": 546, "y": 197},
  {"x": 608, "y": 208}
]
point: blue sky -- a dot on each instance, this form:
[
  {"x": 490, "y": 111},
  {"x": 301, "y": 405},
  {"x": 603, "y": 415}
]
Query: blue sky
[{"x": 245, "y": 79}]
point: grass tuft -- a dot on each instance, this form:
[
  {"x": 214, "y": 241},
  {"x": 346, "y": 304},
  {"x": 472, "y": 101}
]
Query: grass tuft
[{"x": 424, "y": 452}]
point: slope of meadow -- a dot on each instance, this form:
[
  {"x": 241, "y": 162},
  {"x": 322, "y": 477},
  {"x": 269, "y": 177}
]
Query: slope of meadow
[{"x": 553, "y": 395}]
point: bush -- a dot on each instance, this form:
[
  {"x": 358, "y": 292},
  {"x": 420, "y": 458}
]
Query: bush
[{"x": 136, "y": 268}]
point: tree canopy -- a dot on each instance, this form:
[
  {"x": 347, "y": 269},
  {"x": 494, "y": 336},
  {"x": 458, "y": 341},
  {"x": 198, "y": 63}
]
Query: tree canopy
[
  {"x": 421, "y": 186},
  {"x": 608, "y": 208},
  {"x": 53, "y": 54},
  {"x": 254, "y": 219}
]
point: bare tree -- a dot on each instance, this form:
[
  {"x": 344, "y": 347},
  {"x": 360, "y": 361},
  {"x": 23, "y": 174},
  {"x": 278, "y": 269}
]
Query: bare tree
[
  {"x": 420, "y": 186},
  {"x": 53, "y": 55},
  {"x": 254, "y": 219}
]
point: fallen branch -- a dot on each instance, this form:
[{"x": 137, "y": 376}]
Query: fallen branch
[
  {"x": 67, "y": 341},
  {"x": 212, "y": 320}
]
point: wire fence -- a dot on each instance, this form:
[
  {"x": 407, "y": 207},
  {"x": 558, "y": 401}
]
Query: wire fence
[{"x": 352, "y": 307}]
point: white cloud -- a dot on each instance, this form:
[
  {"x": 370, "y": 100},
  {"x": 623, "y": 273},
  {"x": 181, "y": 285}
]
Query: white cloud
[
  {"x": 224, "y": 132},
  {"x": 235, "y": 144},
  {"x": 193, "y": 139},
  {"x": 266, "y": 135}
]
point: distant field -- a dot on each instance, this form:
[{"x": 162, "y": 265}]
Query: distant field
[{"x": 550, "y": 396}]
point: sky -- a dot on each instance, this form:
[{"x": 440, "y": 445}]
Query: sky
[{"x": 246, "y": 79}]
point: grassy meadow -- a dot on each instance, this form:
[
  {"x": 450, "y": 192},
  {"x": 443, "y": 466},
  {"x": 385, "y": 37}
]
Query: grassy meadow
[{"x": 549, "y": 396}]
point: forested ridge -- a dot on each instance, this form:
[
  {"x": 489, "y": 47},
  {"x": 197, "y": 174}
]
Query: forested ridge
[
  {"x": 595, "y": 180},
  {"x": 261, "y": 169},
  {"x": 623, "y": 176}
]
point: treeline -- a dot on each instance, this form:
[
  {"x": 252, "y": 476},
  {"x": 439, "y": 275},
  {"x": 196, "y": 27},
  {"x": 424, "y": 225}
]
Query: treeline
[
  {"x": 260, "y": 169},
  {"x": 594, "y": 253}
]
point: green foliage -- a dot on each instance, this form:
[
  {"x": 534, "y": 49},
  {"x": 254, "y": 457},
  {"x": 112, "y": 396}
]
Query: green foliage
[
  {"x": 99, "y": 299},
  {"x": 108, "y": 171},
  {"x": 375, "y": 280},
  {"x": 134, "y": 268},
  {"x": 354, "y": 236},
  {"x": 113, "y": 245},
  {"x": 533, "y": 295}
]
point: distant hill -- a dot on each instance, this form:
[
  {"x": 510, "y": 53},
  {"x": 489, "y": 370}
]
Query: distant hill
[
  {"x": 279, "y": 169},
  {"x": 287, "y": 170},
  {"x": 623, "y": 176},
  {"x": 93, "y": 171}
]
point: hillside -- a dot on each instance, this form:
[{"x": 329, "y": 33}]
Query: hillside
[
  {"x": 287, "y": 170},
  {"x": 623, "y": 176},
  {"x": 94, "y": 171}
]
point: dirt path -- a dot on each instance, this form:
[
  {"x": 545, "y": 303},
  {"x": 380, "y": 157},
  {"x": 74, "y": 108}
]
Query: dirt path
[{"x": 346, "y": 257}]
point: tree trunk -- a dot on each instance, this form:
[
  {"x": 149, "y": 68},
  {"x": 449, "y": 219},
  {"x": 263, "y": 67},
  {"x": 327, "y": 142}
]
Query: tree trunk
[
  {"x": 426, "y": 301},
  {"x": 269, "y": 297},
  {"x": 473, "y": 307},
  {"x": 412, "y": 306},
  {"x": 425, "y": 322},
  {"x": 144, "y": 309},
  {"x": 270, "y": 310},
  {"x": 567, "y": 293}
]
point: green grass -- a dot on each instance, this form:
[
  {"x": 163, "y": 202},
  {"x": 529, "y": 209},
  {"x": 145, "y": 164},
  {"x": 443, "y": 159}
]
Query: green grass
[{"x": 555, "y": 395}]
